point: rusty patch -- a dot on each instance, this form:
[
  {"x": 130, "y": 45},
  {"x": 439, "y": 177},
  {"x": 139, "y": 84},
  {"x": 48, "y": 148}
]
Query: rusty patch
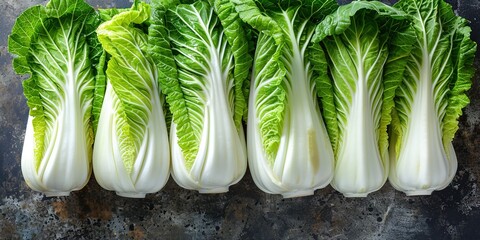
[
  {"x": 99, "y": 210},
  {"x": 61, "y": 210},
  {"x": 137, "y": 233}
]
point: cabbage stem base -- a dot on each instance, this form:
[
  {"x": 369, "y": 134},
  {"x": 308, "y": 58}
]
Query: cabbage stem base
[
  {"x": 355, "y": 195},
  {"x": 214, "y": 190},
  {"x": 419, "y": 192},
  {"x": 57, "y": 194},
  {"x": 300, "y": 193},
  {"x": 131, "y": 194}
]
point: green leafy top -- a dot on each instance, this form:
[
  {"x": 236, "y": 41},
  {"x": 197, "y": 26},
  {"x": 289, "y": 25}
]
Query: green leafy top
[
  {"x": 99, "y": 91},
  {"x": 336, "y": 23},
  {"x": 100, "y": 78},
  {"x": 31, "y": 21},
  {"x": 259, "y": 14}
]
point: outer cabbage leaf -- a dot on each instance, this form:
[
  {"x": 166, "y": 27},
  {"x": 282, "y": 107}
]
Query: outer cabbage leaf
[
  {"x": 431, "y": 98},
  {"x": 358, "y": 38},
  {"x": 206, "y": 67},
  {"x": 57, "y": 46},
  {"x": 131, "y": 154},
  {"x": 288, "y": 146},
  {"x": 99, "y": 90}
]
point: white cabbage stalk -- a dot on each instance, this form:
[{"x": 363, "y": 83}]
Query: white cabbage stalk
[
  {"x": 359, "y": 168},
  {"x": 59, "y": 173},
  {"x": 423, "y": 166},
  {"x": 304, "y": 161},
  {"x": 220, "y": 161},
  {"x": 152, "y": 163}
]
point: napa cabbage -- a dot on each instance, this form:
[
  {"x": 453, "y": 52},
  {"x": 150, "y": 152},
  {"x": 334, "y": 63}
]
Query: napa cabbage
[
  {"x": 57, "y": 46},
  {"x": 289, "y": 151},
  {"x": 131, "y": 152},
  {"x": 366, "y": 59},
  {"x": 430, "y": 99},
  {"x": 201, "y": 52}
]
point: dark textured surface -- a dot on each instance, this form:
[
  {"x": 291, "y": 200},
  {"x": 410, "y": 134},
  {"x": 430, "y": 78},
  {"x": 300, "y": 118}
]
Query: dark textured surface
[{"x": 243, "y": 213}]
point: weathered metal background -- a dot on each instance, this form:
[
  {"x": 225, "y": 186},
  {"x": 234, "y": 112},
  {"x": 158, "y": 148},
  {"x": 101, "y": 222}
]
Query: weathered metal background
[{"x": 243, "y": 213}]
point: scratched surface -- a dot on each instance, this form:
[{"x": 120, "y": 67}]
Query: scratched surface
[{"x": 243, "y": 213}]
